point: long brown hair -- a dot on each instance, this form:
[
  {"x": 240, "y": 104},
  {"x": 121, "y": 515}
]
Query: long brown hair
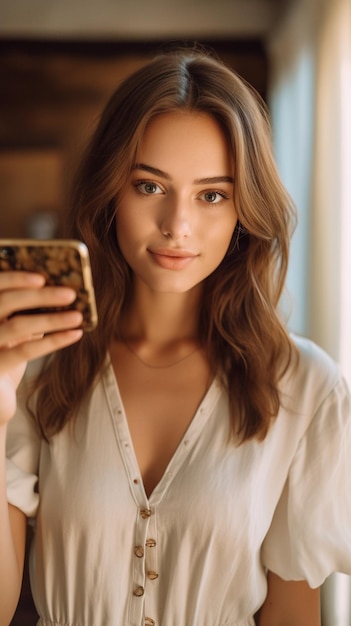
[{"x": 246, "y": 342}]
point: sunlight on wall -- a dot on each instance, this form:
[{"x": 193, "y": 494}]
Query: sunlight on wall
[{"x": 292, "y": 103}]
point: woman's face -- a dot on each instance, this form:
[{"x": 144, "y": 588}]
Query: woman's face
[{"x": 177, "y": 215}]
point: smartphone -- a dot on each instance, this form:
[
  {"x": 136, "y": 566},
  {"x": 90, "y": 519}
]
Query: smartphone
[{"x": 63, "y": 262}]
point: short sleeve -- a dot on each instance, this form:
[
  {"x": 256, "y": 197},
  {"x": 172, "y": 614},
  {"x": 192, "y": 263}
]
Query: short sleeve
[
  {"x": 310, "y": 534},
  {"x": 22, "y": 452}
]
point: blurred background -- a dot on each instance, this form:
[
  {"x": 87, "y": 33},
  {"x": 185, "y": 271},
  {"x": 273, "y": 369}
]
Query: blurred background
[{"x": 61, "y": 59}]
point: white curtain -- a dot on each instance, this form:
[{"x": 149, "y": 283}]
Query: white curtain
[
  {"x": 310, "y": 98},
  {"x": 330, "y": 283}
]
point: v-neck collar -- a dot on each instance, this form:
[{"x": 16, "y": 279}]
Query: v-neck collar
[{"x": 125, "y": 443}]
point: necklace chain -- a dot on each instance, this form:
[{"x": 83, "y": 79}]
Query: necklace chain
[{"x": 158, "y": 367}]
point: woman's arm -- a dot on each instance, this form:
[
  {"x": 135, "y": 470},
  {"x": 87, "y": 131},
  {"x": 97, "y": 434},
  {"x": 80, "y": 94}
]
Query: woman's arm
[
  {"x": 23, "y": 338},
  {"x": 289, "y": 603},
  {"x": 12, "y": 546}
]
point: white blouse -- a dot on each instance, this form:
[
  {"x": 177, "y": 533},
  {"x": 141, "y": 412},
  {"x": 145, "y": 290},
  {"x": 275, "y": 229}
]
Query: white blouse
[{"x": 195, "y": 553}]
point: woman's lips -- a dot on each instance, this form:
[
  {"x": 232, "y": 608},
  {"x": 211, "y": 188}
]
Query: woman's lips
[{"x": 172, "y": 259}]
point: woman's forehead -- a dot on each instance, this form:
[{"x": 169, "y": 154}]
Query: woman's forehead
[{"x": 193, "y": 140}]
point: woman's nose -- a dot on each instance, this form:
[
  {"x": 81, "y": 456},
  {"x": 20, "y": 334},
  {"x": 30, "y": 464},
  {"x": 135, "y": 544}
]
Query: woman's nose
[{"x": 176, "y": 222}]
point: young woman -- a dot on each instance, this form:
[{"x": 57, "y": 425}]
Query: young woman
[{"x": 186, "y": 464}]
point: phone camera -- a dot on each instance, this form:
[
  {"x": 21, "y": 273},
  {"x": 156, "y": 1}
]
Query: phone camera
[{"x": 6, "y": 253}]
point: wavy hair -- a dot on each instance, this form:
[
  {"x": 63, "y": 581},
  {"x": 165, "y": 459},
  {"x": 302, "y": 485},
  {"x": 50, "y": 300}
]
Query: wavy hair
[{"x": 240, "y": 327}]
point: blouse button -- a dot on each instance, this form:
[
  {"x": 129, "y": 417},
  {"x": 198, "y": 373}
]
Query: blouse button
[
  {"x": 152, "y": 575},
  {"x": 145, "y": 513},
  {"x": 138, "y": 591},
  {"x": 150, "y": 543},
  {"x": 149, "y": 621},
  {"x": 139, "y": 551}
]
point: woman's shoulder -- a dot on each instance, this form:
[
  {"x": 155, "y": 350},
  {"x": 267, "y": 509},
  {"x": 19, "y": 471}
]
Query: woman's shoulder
[
  {"x": 313, "y": 361},
  {"x": 312, "y": 375}
]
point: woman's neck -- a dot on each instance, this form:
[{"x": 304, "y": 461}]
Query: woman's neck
[{"x": 161, "y": 318}]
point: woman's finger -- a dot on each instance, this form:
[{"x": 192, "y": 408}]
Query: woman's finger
[
  {"x": 28, "y": 351},
  {"x": 21, "y": 280},
  {"x": 22, "y": 328},
  {"x": 14, "y": 300}
]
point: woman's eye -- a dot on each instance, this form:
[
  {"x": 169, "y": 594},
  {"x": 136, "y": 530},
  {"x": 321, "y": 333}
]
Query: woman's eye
[
  {"x": 148, "y": 188},
  {"x": 212, "y": 197}
]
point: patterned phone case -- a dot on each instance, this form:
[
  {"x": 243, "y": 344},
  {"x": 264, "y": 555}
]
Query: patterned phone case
[{"x": 63, "y": 262}]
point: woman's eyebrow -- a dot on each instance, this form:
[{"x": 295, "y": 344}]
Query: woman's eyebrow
[
  {"x": 214, "y": 179},
  {"x": 152, "y": 170},
  {"x": 197, "y": 181}
]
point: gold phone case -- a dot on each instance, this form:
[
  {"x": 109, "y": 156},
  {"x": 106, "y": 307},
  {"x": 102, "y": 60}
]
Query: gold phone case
[{"x": 63, "y": 262}]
